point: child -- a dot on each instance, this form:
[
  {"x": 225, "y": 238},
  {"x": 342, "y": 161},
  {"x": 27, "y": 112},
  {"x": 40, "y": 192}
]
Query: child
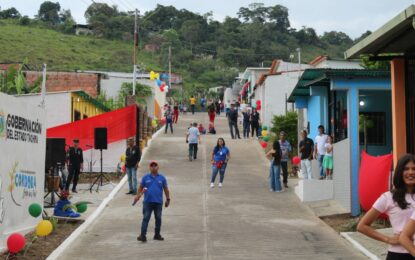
[
  {"x": 202, "y": 130},
  {"x": 328, "y": 158}
]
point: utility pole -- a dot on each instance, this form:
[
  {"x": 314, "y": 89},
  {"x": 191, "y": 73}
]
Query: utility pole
[
  {"x": 299, "y": 62},
  {"x": 135, "y": 51},
  {"x": 169, "y": 67},
  {"x": 43, "y": 91}
]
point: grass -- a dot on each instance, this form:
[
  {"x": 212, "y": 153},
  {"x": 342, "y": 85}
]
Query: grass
[{"x": 66, "y": 52}]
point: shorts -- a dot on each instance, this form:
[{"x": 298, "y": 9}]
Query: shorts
[{"x": 328, "y": 162}]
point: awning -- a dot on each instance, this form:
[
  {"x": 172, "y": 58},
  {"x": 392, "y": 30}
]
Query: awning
[{"x": 395, "y": 37}]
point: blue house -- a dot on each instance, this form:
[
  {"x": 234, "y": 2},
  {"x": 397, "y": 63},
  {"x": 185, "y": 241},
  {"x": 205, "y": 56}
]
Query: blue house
[{"x": 335, "y": 98}]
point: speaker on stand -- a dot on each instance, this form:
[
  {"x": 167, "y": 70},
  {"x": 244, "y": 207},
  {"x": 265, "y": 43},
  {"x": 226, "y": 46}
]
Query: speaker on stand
[
  {"x": 100, "y": 143},
  {"x": 54, "y": 164}
]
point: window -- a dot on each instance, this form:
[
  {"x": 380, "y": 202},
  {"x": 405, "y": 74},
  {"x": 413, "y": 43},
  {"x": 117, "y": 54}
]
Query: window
[
  {"x": 376, "y": 130},
  {"x": 77, "y": 115},
  {"x": 338, "y": 115}
]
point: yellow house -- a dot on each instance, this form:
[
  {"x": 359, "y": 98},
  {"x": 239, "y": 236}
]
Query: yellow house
[{"x": 84, "y": 106}]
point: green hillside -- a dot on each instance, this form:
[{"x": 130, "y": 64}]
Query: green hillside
[{"x": 66, "y": 52}]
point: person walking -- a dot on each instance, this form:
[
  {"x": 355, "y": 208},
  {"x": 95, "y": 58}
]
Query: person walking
[
  {"x": 169, "y": 120},
  {"x": 217, "y": 107},
  {"x": 275, "y": 167},
  {"x": 212, "y": 113},
  {"x": 255, "y": 122},
  {"x": 285, "y": 157},
  {"x": 306, "y": 149},
  {"x": 233, "y": 122},
  {"x": 152, "y": 186},
  {"x": 132, "y": 158},
  {"x": 175, "y": 113},
  {"x": 398, "y": 205},
  {"x": 192, "y": 104},
  {"x": 245, "y": 122},
  {"x": 220, "y": 159},
  {"x": 75, "y": 165},
  {"x": 319, "y": 150},
  {"x": 193, "y": 138},
  {"x": 328, "y": 158}
]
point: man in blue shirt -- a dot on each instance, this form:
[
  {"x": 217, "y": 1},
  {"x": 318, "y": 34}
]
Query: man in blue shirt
[{"x": 152, "y": 186}]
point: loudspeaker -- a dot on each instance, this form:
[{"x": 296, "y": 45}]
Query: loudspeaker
[
  {"x": 100, "y": 140},
  {"x": 55, "y": 152}
]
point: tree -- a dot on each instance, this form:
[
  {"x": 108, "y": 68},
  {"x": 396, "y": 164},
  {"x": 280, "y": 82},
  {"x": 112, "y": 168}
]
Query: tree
[
  {"x": 336, "y": 38},
  {"x": 256, "y": 12},
  {"x": 10, "y": 13},
  {"x": 100, "y": 9},
  {"x": 288, "y": 124},
  {"x": 361, "y": 37},
  {"x": 49, "y": 12},
  {"x": 279, "y": 15}
]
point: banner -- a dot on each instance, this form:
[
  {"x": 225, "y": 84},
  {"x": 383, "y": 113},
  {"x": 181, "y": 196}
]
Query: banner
[
  {"x": 22, "y": 164},
  {"x": 121, "y": 124}
]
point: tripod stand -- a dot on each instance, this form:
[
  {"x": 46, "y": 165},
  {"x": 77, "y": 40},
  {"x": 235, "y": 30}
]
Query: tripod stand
[
  {"x": 98, "y": 180},
  {"x": 54, "y": 182}
]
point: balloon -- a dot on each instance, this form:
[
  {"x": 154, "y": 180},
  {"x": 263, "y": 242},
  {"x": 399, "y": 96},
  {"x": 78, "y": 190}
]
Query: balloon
[
  {"x": 159, "y": 82},
  {"x": 122, "y": 158},
  {"x": 264, "y": 133},
  {"x": 264, "y": 127},
  {"x": 296, "y": 160},
  {"x": 266, "y": 138},
  {"x": 15, "y": 242},
  {"x": 152, "y": 75},
  {"x": 44, "y": 228},
  {"x": 154, "y": 123},
  {"x": 35, "y": 210},
  {"x": 264, "y": 144},
  {"x": 163, "y": 121},
  {"x": 81, "y": 207},
  {"x": 162, "y": 88}
]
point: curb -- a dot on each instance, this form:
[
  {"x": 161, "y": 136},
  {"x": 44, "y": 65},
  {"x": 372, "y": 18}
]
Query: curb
[
  {"x": 358, "y": 246},
  {"x": 77, "y": 232}
]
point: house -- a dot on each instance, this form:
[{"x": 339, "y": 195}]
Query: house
[
  {"x": 335, "y": 98},
  {"x": 248, "y": 81},
  {"x": 83, "y": 29},
  {"x": 66, "y": 106},
  {"x": 395, "y": 42},
  {"x": 111, "y": 83}
]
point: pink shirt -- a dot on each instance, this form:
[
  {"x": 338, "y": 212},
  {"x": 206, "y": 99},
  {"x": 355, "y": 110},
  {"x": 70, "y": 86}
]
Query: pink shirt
[{"x": 397, "y": 216}]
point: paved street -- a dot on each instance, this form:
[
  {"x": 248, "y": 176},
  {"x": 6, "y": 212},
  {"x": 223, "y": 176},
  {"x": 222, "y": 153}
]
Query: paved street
[{"x": 242, "y": 220}]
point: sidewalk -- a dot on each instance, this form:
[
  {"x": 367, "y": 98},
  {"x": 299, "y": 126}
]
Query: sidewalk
[{"x": 242, "y": 220}]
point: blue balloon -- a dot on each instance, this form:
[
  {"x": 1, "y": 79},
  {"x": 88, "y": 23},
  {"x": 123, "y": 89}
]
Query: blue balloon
[{"x": 159, "y": 82}]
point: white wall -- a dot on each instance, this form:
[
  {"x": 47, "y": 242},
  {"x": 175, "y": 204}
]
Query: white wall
[
  {"x": 341, "y": 173},
  {"x": 57, "y": 105},
  {"x": 339, "y": 64},
  {"x": 110, "y": 157}
]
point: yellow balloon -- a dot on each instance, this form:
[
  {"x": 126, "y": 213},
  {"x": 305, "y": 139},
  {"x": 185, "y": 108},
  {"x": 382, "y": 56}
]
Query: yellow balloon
[
  {"x": 157, "y": 75},
  {"x": 264, "y": 133},
  {"x": 122, "y": 158},
  {"x": 44, "y": 228},
  {"x": 152, "y": 75}
]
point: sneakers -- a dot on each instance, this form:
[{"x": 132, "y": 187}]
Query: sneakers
[
  {"x": 74, "y": 191},
  {"x": 212, "y": 185},
  {"x": 130, "y": 192},
  {"x": 142, "y": 238},
  {"x": 220, "y": 185},
  {"x": 158, "y": 237}
]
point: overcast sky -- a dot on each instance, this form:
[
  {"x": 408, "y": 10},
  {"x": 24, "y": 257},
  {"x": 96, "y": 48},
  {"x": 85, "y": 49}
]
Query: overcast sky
[{"x": 353, "y": 17}]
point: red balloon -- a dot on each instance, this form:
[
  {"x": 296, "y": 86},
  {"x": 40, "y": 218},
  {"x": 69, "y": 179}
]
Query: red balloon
[
  {"x": 264, "y": 144},
  {"x": 296, "y": 160},
  {"x": 15, "y": 242}
]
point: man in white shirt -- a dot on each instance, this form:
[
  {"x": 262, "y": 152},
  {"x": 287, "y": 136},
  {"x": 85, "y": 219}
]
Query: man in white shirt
[
  {"x": 319, "y": 150},
  {"x": 193, "y": 138}
]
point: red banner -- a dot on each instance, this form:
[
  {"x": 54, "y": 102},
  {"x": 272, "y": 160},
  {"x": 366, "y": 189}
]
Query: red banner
[{"x": 121, "y": 124}]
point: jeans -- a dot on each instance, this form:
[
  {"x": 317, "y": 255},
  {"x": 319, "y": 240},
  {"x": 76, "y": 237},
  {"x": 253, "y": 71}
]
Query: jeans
[
  {"x": 306, "y": 169},
  {"x": 246, "y": 129},
  {"x": 132, "y": 178},
  {"x": 73, "y": 173},
  {"x": 320, "y": 164},
  {"x": 169, "y": 122},
  {"x": 274, "y": 177},
  {"x": 148, "y": 208},
  {"x": 284, "y": 169},
  {"x": 215, "y": 171},
  {"x": 192, "y": 107},
  {"x": 193, "y": 151},
  {"x": 232, "y": 125}
]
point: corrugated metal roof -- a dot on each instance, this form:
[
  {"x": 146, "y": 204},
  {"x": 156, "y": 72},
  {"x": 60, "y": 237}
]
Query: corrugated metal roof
[{"x": 322, "y": 77}]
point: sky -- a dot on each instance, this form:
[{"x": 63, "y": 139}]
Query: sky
[{"x": 353, "y": 17}]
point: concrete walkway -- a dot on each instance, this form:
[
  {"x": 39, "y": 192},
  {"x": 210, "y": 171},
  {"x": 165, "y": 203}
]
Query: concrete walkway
[{"x": 242, "y": 220}]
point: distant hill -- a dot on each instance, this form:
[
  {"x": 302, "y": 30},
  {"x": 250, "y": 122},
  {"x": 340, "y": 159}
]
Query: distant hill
[{"x": 65, "y": 52}]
